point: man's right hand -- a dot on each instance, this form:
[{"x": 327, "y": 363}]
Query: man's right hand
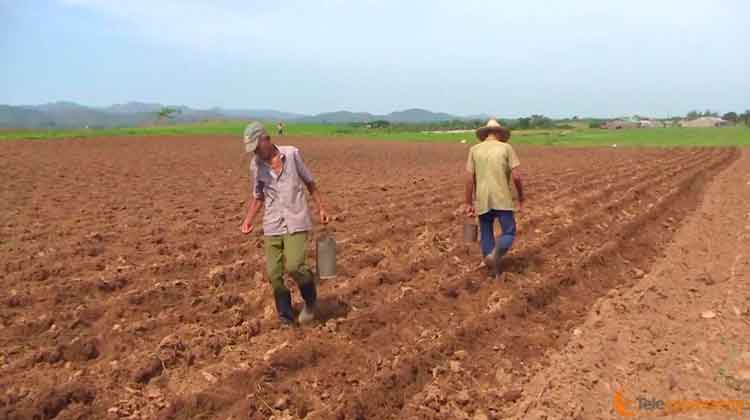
[
  {"x": 471, "y": 211},
  {"x": 247, "y": 226}
]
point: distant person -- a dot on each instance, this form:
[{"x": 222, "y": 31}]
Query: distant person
[
  {"x": 279, "y": 175},
  {"x": 490, "y": 167},
  {"x": 280, "y": 128}
]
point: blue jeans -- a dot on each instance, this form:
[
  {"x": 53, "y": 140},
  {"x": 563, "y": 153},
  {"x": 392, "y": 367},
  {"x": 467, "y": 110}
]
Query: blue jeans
[{"x": 487, "y": 231}]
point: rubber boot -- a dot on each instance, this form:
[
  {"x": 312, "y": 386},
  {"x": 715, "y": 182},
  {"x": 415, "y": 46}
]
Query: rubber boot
[
  {"x": 310, "y": 295},
  {"x": 284, "y": 307}
]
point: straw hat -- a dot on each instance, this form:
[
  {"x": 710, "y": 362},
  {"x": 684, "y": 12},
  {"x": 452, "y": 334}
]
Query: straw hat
[
  {"x": 253, "y": 132},
  {"x": 492, "y": 127}
]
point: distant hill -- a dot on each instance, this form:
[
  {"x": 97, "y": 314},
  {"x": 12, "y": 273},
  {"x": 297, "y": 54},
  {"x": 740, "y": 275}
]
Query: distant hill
[
  {"x": 414, "y": 115},
  {"x": 418, "y": 115},
  {"x": 258, "y": 114},
  {"x": 72, "y": 115},
  {"x": 18, "y": 117},
  {"x": 340, "y": 117},
  {"x": 62, "y": 115},
  {"x": 133, "y": 108},
  {"x": 481, "y": 117}
]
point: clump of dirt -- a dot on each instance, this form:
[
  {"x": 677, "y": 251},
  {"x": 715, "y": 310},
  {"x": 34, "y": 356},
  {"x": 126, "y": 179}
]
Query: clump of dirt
[
  {"x": 80, "y": 350},
  {"x": 172, "y": 350},
  {"x": 47, "y": 404},
  {"x": 149, "y": 369}
]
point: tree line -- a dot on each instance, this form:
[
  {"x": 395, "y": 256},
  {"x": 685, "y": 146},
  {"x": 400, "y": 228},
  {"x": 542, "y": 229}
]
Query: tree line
[
  {"x": 526, "y": 123},
  {"x": 533, "y": 122},
  {"x": 732, "y": 117}
]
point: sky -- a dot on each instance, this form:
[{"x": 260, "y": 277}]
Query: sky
[{"x": 502, "y": 58}]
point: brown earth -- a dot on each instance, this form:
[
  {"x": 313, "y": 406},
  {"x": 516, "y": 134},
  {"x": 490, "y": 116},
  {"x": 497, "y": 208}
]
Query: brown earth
[
  {"x": 128, "y": 291},
  {"x": 678, "y": 335}
]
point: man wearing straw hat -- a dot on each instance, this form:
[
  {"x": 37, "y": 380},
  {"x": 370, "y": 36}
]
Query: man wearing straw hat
[
  {"x": 279, "y": 180},
  {"x": 490, "y": 167}
]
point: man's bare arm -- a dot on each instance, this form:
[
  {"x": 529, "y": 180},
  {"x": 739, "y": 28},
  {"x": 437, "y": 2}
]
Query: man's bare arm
[
  {"x": 518, "y": 182},
  {"x": 252, "y": 210},
  {"x": 318, "y": 199},
  {"x": 470, "y": 186}
]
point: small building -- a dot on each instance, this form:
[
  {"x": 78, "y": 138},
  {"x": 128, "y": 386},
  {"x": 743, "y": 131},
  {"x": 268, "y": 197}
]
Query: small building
[
  {"x": 704, "y": 122},
  {"x": 651, "y": 123},
  {"x": 620, "y": 124}
]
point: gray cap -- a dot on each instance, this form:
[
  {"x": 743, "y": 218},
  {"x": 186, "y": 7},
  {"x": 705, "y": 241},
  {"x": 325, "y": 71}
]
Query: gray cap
[{"x": 253, "y": 132}]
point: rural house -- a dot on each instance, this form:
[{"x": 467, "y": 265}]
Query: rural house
[
  {"x": 620, "y": 124},
  {"x": 650, "y": 123},
  {"x": 704, "y": 122}
]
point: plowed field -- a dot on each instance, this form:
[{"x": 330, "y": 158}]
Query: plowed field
[{"x": 129, "y": 292}]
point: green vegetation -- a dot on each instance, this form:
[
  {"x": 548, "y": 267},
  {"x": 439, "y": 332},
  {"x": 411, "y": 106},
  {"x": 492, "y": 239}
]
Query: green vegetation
[
  {"x": 662, "y": 137},
  {"x": 579, "y": 135},
  {"x": 167, "y": 113},
  {"x": 211, "y": 128}
]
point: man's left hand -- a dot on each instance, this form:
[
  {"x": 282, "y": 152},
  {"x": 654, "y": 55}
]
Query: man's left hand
[{"x": 324, "y": 218}]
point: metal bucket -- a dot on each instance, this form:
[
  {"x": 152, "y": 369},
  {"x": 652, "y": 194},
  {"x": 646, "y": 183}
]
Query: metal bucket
[
  {"x": 470, "y": 232},
  {"x": 325, "y": 256}
]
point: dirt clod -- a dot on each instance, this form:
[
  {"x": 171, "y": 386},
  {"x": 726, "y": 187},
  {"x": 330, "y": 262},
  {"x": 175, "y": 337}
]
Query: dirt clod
[
  {"x": 512, "y": 396},
  {"x": 81, "y": 350},
  {"x": 151, "y": 368},
  {"x": 282, "y": 403},
  {"x": 462, "y": 397},
  {"x": 708, "y": 315}
]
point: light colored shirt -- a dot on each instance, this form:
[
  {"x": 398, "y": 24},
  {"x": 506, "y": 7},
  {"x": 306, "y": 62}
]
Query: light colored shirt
[
  {"x": 283, "y": 194},
  {"x": 491, "y": 162}
]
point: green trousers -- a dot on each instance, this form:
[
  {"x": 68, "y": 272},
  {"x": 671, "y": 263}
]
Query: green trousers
[{"x": 287, "y": 253}]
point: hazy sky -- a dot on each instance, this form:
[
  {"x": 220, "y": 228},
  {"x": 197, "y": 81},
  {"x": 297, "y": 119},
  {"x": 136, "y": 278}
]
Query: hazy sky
[{"x": 507, "y": 58}]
